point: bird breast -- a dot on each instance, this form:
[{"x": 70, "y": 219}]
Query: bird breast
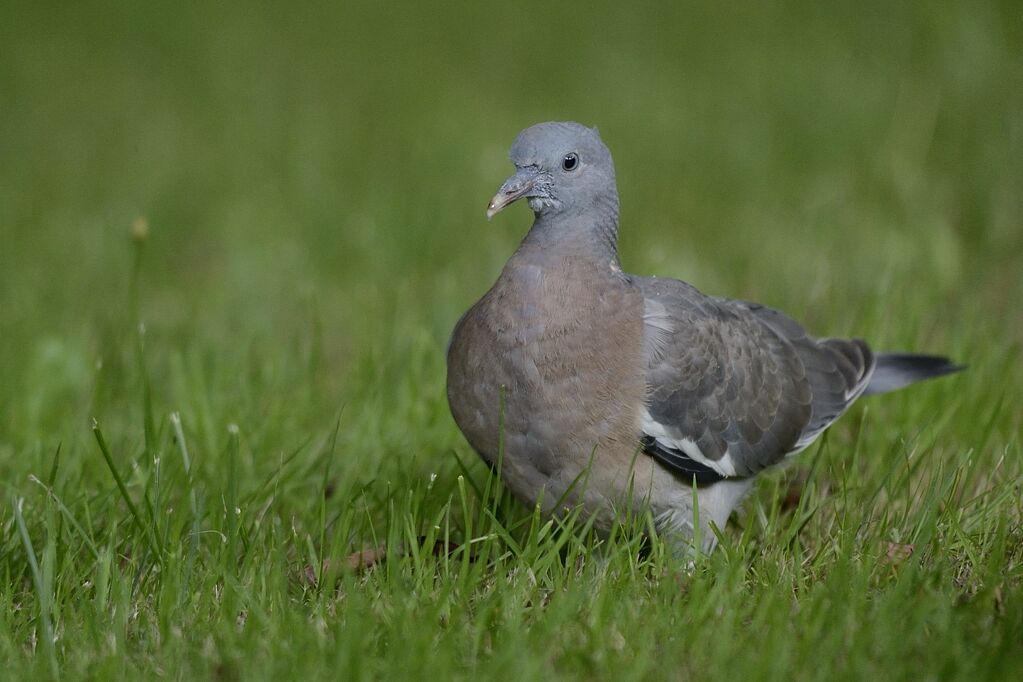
[{"x": 552, "y": 369}]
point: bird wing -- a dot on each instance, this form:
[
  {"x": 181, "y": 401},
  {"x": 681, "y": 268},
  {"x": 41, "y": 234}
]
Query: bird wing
[{"x": 733, "y": 387}]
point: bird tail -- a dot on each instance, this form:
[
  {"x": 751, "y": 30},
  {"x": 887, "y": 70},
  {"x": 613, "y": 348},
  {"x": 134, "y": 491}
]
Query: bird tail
[{"x": 895, "y": 370}]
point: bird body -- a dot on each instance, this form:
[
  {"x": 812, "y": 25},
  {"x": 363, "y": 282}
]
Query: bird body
[
  {"x": 523, "y": 361},
  {"x": 622, "y": 393}
]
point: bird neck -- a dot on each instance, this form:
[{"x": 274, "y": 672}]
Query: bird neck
[{"x": 591, "y": 234}]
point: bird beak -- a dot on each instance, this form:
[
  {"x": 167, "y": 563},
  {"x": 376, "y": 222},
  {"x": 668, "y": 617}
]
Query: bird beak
[{"x": 514, "y": 188}]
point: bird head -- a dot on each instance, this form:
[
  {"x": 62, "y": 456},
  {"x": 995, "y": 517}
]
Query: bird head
[{"x": 560, "y": 168}]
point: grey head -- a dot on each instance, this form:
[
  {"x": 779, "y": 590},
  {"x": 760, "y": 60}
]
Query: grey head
[{"x": 562, "y": 169}]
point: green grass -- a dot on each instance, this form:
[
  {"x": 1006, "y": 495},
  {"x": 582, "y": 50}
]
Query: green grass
[{"x": 314, "y": 180}]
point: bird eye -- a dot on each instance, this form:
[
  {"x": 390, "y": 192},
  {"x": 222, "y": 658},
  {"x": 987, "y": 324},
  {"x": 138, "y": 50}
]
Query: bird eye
[{"x": 570, "y": 162}]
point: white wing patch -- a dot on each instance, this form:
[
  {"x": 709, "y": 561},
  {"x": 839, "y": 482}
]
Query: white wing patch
[
  {"x": 658, "y": 328},
  {"x": 670, "y": 438},
  {"x": 656, "y": 315}
]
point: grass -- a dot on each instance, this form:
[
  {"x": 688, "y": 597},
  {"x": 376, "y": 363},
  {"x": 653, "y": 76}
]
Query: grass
[{"x": 235, "y": 240}]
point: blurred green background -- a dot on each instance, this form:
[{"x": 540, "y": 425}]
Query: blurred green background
[{"x": 313, "y": 177}]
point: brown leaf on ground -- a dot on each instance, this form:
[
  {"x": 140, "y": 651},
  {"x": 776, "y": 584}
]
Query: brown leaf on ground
[
  {"x": 896, "y": 553},
  {"x": 794, "y": 492},
  {"x": 366, "y": 559}
]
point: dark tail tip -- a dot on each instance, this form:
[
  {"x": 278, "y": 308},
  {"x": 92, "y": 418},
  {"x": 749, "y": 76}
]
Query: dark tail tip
[{"x": 895, "y": 370}]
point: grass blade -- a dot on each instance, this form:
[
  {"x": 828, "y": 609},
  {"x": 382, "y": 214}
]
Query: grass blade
[
  {"x": 136, "y": 517},
  {"x": 42, "y": 596}
]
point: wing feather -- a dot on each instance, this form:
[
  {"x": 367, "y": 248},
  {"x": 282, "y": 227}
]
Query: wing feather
[{"x": 733, "y": 387}]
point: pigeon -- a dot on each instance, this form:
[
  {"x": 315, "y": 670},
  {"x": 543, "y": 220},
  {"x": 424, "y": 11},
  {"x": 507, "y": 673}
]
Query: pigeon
[{"x": 585, "y": 386}]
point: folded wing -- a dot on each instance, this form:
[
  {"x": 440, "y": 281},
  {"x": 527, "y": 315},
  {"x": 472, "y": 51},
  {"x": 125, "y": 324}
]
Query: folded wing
[{"x": 733, "y": 387}]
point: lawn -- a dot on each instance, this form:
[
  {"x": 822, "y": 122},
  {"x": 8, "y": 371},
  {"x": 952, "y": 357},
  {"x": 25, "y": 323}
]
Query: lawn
[{"x": 234, "y": 240}]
